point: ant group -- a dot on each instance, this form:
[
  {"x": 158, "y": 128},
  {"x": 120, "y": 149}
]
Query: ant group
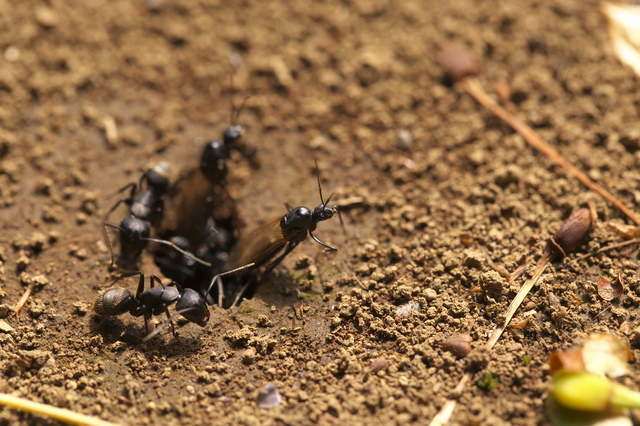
[
  {"x": 146, "y": 207},
  {"x": 155, "y": 301},
  {"x": 198, "y": 223}
]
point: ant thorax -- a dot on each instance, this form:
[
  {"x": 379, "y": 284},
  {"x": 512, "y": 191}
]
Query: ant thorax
[{"x": 297, "y": 218}]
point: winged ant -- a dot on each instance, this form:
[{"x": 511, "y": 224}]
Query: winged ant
[
  {"x": 269, "y": 244},
  {"x": 202, "y": 214}
]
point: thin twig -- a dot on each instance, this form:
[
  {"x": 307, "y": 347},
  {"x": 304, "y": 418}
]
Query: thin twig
[
  {"x": 517, "y": 301},
  {"x": 473, "y": 87},
  {"x": 23, "y": 299},
  {"x": 61, "y": 414},
  {"x": 611, "y": 247}
]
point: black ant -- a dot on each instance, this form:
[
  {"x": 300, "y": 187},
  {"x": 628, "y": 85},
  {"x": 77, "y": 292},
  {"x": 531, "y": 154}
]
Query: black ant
[
  {"x": 285, "y": 232},
  {"x": 215, "y": 154},
  {"x": 147, "y": 204},
  {"x": 155, "y": 301},
  {"x": 201, "y": 193},
  {"x": 145, "y": 207}
]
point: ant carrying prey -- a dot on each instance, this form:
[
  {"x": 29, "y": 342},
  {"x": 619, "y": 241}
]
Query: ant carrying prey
[{"x": 272, "y": 242}]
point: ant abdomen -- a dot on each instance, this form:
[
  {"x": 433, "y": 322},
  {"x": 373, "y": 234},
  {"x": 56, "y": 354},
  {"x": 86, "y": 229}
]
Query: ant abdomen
[{"x": 113, "y": 301}]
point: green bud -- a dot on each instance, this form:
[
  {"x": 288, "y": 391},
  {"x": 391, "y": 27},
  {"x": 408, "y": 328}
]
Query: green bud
[{"x": 590, "y": 392}]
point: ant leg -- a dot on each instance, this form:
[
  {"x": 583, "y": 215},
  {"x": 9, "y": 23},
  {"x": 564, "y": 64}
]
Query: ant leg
[
  {"x": 321, "y": 242},
  {"x": 143, "y": 178},
  {"x": 276, "y": 262},
  {"x": 173, "y": 329},
  {"x": 148, "y": 323},
  {"x": 132, "y": 194},
  {"x": 141, "y": 284},
  {"x": 127, "y": 275},
  {"x": 239, "y": 294},
  {"x": 217, "y": 278},
  {"x": 155, "y": 279},
  {"x": 176, "y": 285},
  {"x": 220, "y": 293}
]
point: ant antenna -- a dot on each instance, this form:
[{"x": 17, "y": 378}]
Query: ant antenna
[
  {"x": 235, "y": 112},
  {"x": 319, "y": 186},
  {"x": 175, "y": 247},
  {"x": 219, "y": 281},
  {"x": 106, "y": 232},
  {"x": 239, "y": 110},
  {"x": 324, "y": 203}
]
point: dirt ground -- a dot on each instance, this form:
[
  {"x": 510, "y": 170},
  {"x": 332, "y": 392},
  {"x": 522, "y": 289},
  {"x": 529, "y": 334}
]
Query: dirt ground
[{"x": 95, "y": 92}]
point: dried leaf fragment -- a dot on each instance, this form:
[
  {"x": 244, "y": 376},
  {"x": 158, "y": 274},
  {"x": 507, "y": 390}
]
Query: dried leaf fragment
[
  {"x": 623, "y": 23},
  {"x": 628, "y": 232},
  {"x": 606, "y": 354},
  {"x": 602, "y": 354},
  {"x": 608, "y": 290},
  {"x": 570, "y": 360}
]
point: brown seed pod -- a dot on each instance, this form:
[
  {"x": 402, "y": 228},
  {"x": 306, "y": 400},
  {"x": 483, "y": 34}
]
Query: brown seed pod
[
  {"x": 379, "y": 364},
  {"x": 608, "y": 290},
  {"x": 457, "y": 61},
  {"x": 570, "y": 234},
  {"x": 459, "y": 345}
]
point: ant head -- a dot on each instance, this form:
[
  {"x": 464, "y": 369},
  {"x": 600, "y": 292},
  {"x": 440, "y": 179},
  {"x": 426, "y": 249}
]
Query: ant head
[
  {"x": 193, "y": 307},
  {"x": 297, "y": 218},
  {"x": 212, "y": 162},
  {"x": 134, "y": 229},
  {"x": 323, "y": 212},
  {"x": 134, "y": 234},
  {"x": 158, "y": 177},
  {"x": 232, "y": 134}
]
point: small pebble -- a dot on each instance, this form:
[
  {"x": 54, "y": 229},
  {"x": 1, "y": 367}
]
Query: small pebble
[
  {"x": 405, "y": 139},
  {"x": 269, "y": 396},
  {"x": 407, "y": 308}
]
